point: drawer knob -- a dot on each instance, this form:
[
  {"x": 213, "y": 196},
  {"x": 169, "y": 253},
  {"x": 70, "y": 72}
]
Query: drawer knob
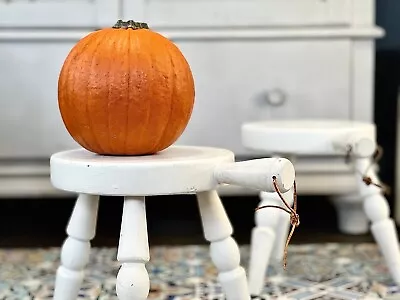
[{"x": 276, "y": 97}]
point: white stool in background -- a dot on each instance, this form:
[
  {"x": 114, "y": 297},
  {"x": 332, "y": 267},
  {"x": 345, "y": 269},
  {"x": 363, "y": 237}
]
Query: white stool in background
[
  {"x": 176, "y": 170},
  {"x": 317, "y": 138}
]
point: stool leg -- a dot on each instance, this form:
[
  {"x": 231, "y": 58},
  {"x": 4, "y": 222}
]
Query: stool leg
[
  {"x": 75, "y": 251},
  {"x": 282, "y": 229},
  {"x": 383, "y": 227},
  {"x": 384, "y": 232},
  {"x": 133, "y": 281},
  {"x": 262, "y": 241},
  {"x": 224, "y": 250},
  {"x": 351, "y": 216}
]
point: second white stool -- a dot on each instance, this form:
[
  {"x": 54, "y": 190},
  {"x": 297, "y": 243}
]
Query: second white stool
[{"x": 316, "y": 138}]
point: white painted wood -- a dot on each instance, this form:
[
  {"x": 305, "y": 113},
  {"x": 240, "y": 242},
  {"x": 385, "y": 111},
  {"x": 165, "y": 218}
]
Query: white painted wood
[
  {"x": 133, "y": 281},
  {"x": 133, "y": 251},
  {"x": 351, "y": 216},
  {"x": 176, "y": 170},
  {"x": 385, "y": 234},
  {"x": 282, "y": 229},
  {"x": 180, "y": 34},
  {"x": 234, "y": 13},
  {"x": 310, "y": 137},
  {"x": 329, "y": 138},
  {"x": 329, "y": 183},
  {"x": 82, "y": 225},
  {"x": 315, "y": 176},
  {"x": 61, "y": 13},
  {"x": 108, "y": 12},
  {"x": 262, "y": 241},
  {"x": 198, "y": 169},
  {"x": 31, "y": 127},
  {"x": 362, "y": 79},
  {"x": 134, "y": 10},
  {"x": 361, "y": 145},
  {"x": 75, "y": 251},
  {"x": 268, "y": 238},
  {"x": 363, "y": 12},
  {"x": 224, "y": 250},
  {"x": 257, "y": 173},
  {"x": 383, "y": 228},
  {"x": 294, "y": 64}
]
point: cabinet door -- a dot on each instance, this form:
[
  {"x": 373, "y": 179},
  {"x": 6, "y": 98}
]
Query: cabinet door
[
  {"x": 234, "y": 13},
  {"x": 242, "y": 81},
  {"x": 58, "y": 13},
  {"x": 30, "y": 122}
]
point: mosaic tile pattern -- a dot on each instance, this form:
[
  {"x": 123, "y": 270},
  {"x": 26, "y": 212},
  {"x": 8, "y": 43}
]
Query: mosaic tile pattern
[{"x": 324, "y": 272}]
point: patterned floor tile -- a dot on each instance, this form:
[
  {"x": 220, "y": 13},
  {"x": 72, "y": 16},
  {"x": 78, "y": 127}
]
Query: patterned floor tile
[{"x": 324, "y": 272}]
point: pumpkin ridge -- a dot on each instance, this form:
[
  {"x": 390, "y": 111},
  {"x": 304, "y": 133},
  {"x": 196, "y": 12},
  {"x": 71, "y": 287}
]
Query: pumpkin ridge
[
  {"x": 145, "y": 89},
  {"x": 171, "y": 100},
  {"x": 67, "y": 102},
  {"x": 146, "y": 122},
  {"x": 138, "y": 135},
  {"x": 108, "y": 104},
  {"x": 129, "y": 91},
  {"x": 90, "y": 123}
]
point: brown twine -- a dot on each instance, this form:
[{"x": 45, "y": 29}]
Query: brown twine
[
  {"x": 294, "y": 217},
  {"x": 376, "y": 157}
]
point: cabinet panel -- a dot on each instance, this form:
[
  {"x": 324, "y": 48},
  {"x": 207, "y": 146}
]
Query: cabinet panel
[
  {"x": 243, "y": 13},
  {"x": 239, "y": 81},
  {"x": 58, "y": 13},
  {"x": 30, "y": 122}
]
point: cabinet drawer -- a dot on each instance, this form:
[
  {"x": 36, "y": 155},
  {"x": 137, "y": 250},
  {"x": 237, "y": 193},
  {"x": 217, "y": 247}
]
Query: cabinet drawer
[
  {"x": 258, "y": 80},
  {"x": 58, "y": 13},
  {"x": 233, "y": 13}
]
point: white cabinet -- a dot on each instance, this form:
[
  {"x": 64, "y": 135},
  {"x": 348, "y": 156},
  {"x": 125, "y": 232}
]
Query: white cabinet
[
  {"x": 239, "y": 81},
  {"x": 235, "y": 13},
  {"x": 252, "y": 60},
  {"x": 30, "y": 120},
  {"x": 58, "y": 14}
]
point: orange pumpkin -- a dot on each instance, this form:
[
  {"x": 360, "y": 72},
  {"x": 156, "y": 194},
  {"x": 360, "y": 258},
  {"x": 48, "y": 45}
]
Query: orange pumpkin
[{"x": 125, "y": 90}]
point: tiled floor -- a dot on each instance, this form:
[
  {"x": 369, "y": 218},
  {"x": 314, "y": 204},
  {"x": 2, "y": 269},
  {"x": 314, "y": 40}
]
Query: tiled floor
[{"x": 315, "y": 271}]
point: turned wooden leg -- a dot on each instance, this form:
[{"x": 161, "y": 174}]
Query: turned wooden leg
[
  {"x": 223, "y": 249},
  {"x": 383, "y": 227},
  {"x": 384, "y": 231},
  {"x": 262, "y": 241},
  {"x": 282, "y": 229},
  {"x": 75, "y": 251},
  {"x": 133, "y": 281},
  {"x": 351, "y": 216}
]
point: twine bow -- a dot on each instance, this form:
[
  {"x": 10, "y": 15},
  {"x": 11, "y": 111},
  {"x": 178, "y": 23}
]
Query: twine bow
[{"x": 294, "y": 217}]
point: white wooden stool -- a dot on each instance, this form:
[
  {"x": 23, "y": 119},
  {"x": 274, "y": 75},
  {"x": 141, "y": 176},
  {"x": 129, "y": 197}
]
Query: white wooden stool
[
  {"x": 176, "y": 170},
  {"x": 315, "y": 138}
]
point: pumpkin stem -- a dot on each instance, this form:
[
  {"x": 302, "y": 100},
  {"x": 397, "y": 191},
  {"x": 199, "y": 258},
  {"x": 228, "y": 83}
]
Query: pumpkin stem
[{"x": 130, "y": 24}]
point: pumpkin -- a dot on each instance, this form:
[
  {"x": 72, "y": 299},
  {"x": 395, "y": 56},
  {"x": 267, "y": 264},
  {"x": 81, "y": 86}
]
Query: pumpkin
[{"x": 125, "y": 90}]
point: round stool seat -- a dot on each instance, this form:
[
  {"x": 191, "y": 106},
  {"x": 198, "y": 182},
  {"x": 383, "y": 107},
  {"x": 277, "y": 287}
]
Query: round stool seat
[
  {"x": 176, "y": 170},
  {"x": 308, "y": 137}
]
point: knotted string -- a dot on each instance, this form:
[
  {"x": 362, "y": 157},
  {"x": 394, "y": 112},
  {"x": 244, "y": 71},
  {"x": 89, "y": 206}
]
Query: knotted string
[
  {"x": 294, "y": 217},
  {"x": 376, "y": 157}
]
